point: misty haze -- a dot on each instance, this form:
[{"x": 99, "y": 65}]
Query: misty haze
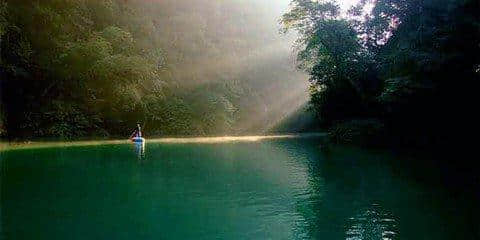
[{"x": 239, "y": 119}]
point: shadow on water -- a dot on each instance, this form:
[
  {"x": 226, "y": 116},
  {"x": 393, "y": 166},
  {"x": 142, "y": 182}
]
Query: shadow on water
[
  {"x": 375, "y": 195},
  {"x": 266, "y": 189}
]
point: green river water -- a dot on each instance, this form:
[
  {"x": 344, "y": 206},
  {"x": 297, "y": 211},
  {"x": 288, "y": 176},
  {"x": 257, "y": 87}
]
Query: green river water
[{"x": 261, "y": 189}]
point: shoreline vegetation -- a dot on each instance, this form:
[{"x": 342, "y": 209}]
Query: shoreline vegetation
[
  {"x": 399, "y": 73},
  {"x": 385, "y": 73},
  {"x": 72, "y": 69},
  {"x": 35, "y": 144}
]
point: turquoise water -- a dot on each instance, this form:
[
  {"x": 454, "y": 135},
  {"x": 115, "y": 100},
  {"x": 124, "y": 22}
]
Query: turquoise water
[{"x": 266, "y": 189}]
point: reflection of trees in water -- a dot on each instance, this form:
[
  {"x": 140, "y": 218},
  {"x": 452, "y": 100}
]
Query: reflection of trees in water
[
  {"x": 342, "y": 182},
  {"x": 353, "y": 193},
  {"x": 308, "y": 188}
]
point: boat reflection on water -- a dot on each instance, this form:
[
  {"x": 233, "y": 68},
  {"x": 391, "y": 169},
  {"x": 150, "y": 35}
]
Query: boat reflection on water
[{"x": 140, "y": 150}]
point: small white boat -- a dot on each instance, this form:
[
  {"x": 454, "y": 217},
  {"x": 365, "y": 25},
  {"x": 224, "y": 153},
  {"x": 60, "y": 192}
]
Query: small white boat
[{"x": 138, "y": 140}]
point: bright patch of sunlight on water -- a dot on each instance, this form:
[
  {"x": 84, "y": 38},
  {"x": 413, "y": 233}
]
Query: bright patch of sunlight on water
[{"x": 34, "y": 145}]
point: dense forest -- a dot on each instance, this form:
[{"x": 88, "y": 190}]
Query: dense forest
[
  {"x": 400, "y": 72},
  {"x": 75, "y": 68}
]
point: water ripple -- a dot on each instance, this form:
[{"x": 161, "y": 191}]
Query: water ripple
[{"x": 372, "y": 223}]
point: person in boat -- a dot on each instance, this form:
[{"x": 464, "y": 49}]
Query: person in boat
[{"x": 137, "y": 133}]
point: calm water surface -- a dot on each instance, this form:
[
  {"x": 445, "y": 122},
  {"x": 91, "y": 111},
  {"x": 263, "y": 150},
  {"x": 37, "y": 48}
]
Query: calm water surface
[{"x": 269, "y": 189}]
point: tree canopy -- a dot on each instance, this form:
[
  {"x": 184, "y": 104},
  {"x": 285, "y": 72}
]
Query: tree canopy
[
  {"x": 411, "y": 64},
  {"x": 78, "y": 68}
]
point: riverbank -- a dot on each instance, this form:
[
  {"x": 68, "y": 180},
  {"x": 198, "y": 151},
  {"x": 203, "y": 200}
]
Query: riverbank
[{"x": 172, "y": 140}]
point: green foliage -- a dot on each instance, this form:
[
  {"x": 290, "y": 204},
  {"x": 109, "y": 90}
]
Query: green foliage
[
  {"x": 179, "y": 67},
  {"x": 3, "y": 17},
  {"x": 367, "y": 132},
  {"x": 122, "y": 70},
  {"x": 121, "y": 41},
  {"x": 80, "y": 57},
  {"x": 403, "y": 62},
  {"x": 68, "y": 59},
  {"x": 400, "y": 90},
  {"x": 2, "y": 121},
  {"x": 174, "y": 115},
  {"x": 61, "y": 119},
  {"x": 67, "y": 121},
  {"x": 330, "y": 51},
  {"x": 21, "y": 49}
]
